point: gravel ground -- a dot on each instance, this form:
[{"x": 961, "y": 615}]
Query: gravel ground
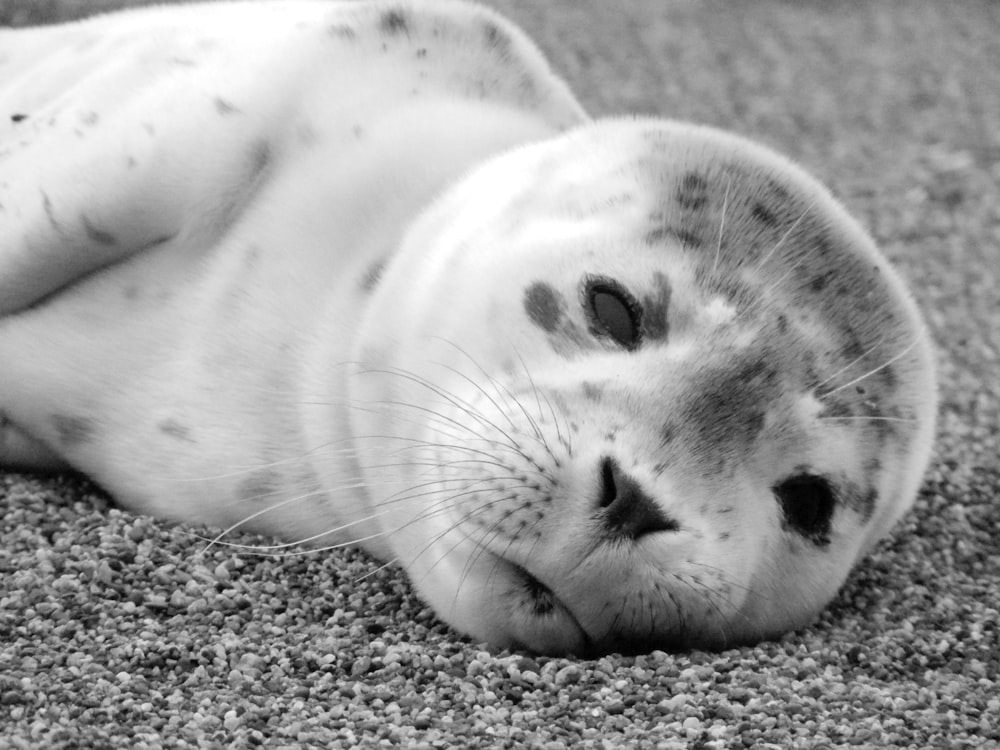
[{"x": 121, "y": 631}]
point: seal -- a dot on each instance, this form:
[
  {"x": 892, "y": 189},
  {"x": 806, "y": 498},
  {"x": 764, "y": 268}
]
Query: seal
[{"x": 365, "y": 273}]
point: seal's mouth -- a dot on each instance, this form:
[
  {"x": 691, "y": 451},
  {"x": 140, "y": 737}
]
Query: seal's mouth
[
  {"x": 543, "y": 606},
  {"x": 543, "y": 599},
  {"x": 547, "y": 614}
]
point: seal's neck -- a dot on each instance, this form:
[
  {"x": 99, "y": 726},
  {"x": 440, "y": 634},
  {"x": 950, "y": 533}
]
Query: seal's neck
[{"x": 405, "y": 159}]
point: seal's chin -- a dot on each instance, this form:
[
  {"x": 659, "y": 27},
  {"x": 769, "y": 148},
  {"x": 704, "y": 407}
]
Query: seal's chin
[
  {"x": 501, "y": 602},
  {"x": 545, "y": 616},
  {"x": 534, "y": 618}
]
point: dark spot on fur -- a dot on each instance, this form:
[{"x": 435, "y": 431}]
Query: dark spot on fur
[
  {"x": 764, "y": 215},
  {"x": 372, "y": 276},
  {"x": 818, "y": 284},
  {"x": 853, "y": 348},
  {"x": 496, "y": 39},
  {"x": 260, "y": 486},
  {"x": 260, "y": 158},
  {"x": 731, "y": 404},
  {"x": 341, "y": 31},
  {"x": 782, "y": 323},
  {"x": 834, "y": 407},
  {"x": 358, "y": 131},
  {"x": 655, "y": 307},
  {"x": 176, "y": 430},
  {"x": 683, "y": 236},
  {"x": 823, "y": 244},
  {"x": 421, "y": 53},
  {"x": 156, "y": 242},
  {"x": 394, "y": 22},
  {"x": 544, "y": 306},
  {"x": 72, "y": 431},
  {"x": 50, "y": 212},
  {"x": 592, "y": 391},
  {"x": 689, "y": 239},
  {"x": 224, "y": 107},
  {"x": 89, "y": 119},
  {"x": 868, "y": 503},
  {"x": 96, "y": 234},
  {"x": 889, "y": 377},
  {"x": 862, "y": 500},
  {"x": 668, "y": 434},
  {"x": 18, "y": 117},
  {"x": 692, "y": 192},
  {"x": 781, "y": 195}
]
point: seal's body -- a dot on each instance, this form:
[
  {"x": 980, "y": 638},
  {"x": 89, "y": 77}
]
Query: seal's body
[{"x": 366, "y": 273}]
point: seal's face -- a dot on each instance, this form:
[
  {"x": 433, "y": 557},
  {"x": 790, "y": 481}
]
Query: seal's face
[{"x": 642, "y": 386}]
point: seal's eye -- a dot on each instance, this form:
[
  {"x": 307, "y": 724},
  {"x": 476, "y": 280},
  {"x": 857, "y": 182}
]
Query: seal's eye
[
  {"x": 613, "y": 312},
  {"x": 807, "y": 502}
]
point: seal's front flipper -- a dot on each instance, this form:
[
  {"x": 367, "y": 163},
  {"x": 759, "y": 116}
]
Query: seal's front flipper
[
  {"x": 79, "y": 186},
  {"x": 111, "y": 151}
]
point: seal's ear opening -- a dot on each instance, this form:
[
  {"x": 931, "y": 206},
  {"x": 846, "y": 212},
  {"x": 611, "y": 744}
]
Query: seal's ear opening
[{"x": 807, "y": 502}]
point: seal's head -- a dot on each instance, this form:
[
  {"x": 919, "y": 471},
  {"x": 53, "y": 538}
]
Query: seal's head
[{"x": 643, "y": 385}]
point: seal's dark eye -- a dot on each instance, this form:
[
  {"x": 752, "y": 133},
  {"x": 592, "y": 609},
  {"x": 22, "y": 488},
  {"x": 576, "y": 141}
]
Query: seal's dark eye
[
  {"x": 807, "y": 502},
  {"x": 613, "y": 312}
]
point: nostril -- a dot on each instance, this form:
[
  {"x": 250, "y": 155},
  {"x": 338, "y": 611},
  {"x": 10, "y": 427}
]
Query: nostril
[
  {"x": 625, "y": 508},
  {"x": 609, "y": 488}
]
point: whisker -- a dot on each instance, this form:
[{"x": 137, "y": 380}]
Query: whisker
[
  {"x": 851, "y": 364},
  {"x": 478, "y": 387},
  {"x": 552, "y": 412},
  {"x": 474, "y": 414},
  {"x": 722, "y": 225},
  {"x": 252, "y": 469},
  {"x": 705, "y": 594},
  {"x": 270, "y": 508},
  {"x": 330, "y": 547},
  {"x": 809, "y": 207},
  {"x": 871, "y": 372},
  {"x": 721, "y": 573},
  {"x": 385, "y": 565},
  {"x": 457, "y": 526},
  {"x": 499, "y": 387},
  {"x": 870, "y": 419},
  {"x": 417, "y": 442}
]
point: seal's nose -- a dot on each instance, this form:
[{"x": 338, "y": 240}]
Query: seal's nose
[{"x": 625, "y": 509}]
